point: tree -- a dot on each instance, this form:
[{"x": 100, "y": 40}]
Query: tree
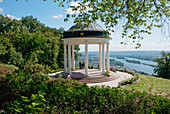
[
  {"x": 15, "y": 58},
  {"x": 22, "y": 39},
  {"x": 163, "y": 68},
  {"x": 31, "y": 23},
  {"x": 137, "y": 17}
]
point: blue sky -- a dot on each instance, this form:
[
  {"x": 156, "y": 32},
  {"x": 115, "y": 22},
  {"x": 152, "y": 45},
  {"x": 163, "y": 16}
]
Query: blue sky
[{"x": 49, "y": 13}]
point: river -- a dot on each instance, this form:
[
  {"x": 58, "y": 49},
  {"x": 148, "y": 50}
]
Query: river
[{"x": 138, "y": 67}]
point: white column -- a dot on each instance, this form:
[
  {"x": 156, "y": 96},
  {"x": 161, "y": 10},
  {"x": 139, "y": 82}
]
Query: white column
[
  {"x": 65, "y": 57},
  {"x": 100, "y": 58},
  {"x": 69, "y": 59},
  {"x": 73, "y": 61},
  {"x": 108, "y": 66},
  {"x": 86, "y": 58},
  {"x": 103, "y": 58}
]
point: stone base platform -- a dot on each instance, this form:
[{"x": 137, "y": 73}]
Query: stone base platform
[{"x": 95, "y": 76}]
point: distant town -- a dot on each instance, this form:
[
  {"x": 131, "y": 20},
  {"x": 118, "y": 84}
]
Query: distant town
[{"x": 144, "y": 60}]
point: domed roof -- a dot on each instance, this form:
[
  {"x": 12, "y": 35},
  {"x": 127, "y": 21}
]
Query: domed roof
[
  {"x": 83, "y": 27},
  {"x": 82, "y": 30}
]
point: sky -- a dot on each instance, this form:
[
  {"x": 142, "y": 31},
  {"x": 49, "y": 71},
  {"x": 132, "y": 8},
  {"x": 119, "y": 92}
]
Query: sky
[{"x": 49, "y": 13}]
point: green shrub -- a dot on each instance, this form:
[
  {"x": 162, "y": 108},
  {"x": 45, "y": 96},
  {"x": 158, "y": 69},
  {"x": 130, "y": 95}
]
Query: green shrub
[
  {"x": 70, "y": 96},
  {"x": 24, "y": 83},
  {"x": 125, "y": 70},
  {"x": 15, "y": 58},
  {"x": 107, "y": 73},
  {"x": 57, "y": 70},
  {"x": 36, "y": 103},
  {"x": 47, "y": 69},
  {"x": 77, "y": 67},
  {"x": 32, "y": 65},
  {"x": 130, "y": 81},
  {"x": 5, "y": 68},
  {"x": 116, "y": 69}
]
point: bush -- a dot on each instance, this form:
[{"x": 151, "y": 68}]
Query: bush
[
  {"x": 69, "y": 96},
  {"x": 5, "y": 68},
  {"x": 130, "y": 81},
  {"x": 125, "y": 70},
  {"x": 15, "y": 58},
  {"x": 107, "y": 73},
  {"x": 53, "y": 71},
  {"x": 20, "y": 83},
  {"x": 163, "y": 65},
  {"x": 77, "y": 67},
  {"x": 36, "y": 103}
]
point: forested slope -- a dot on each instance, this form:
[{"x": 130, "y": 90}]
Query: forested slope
[{"x": 28, "y": 40}]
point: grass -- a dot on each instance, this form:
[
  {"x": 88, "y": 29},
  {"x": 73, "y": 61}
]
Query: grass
[
  {"x": 5, "y": 68},
  {"x": 155, "y": 85}
]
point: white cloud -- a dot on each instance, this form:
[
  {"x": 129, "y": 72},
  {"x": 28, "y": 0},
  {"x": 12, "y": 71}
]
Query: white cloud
[
  {"x": 59, "y": 16},
  {"x": 70, "y": 11},
  {"x": 12, "y": 17},
  {"x": 1, "y": 9},
  {"x": 1, "y": 0}
]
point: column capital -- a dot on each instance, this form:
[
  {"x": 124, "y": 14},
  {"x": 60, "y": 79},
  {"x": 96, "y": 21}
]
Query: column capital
[{"x": 107, "y": 43}]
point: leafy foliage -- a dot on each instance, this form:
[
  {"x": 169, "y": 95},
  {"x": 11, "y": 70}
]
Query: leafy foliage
[
  {"x": 137, "y": 17},
  {"x": 38, "y": 93},
  {"x": 124, "y": 70},
  {"x": 130, "y": 81},
  {"x": 15, "y": 58},
  {"x": 27, "y": 38},
  {"x": 163, "y": 68},
  {"x": 107, "y": 73},
  {"x": 36, "y": 103}
]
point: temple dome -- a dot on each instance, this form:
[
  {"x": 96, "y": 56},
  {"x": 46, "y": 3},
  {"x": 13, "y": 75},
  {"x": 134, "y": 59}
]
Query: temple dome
[
  {"x": 82, "y": 30},
  {"x": 83, "y": 27}
]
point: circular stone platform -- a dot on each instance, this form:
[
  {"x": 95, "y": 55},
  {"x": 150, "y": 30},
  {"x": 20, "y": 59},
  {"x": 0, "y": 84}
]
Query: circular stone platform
[{"x": 95, "y": 76}]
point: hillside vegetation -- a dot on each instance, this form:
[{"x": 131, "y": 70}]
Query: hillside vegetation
[
  {"x": 37, "y": 49},
  {"x": 34, "y": 93},
  {"x": 28, "y": 41},
  {"x": 5, "y": 68},
  {"x": 154, "y": 85}
]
